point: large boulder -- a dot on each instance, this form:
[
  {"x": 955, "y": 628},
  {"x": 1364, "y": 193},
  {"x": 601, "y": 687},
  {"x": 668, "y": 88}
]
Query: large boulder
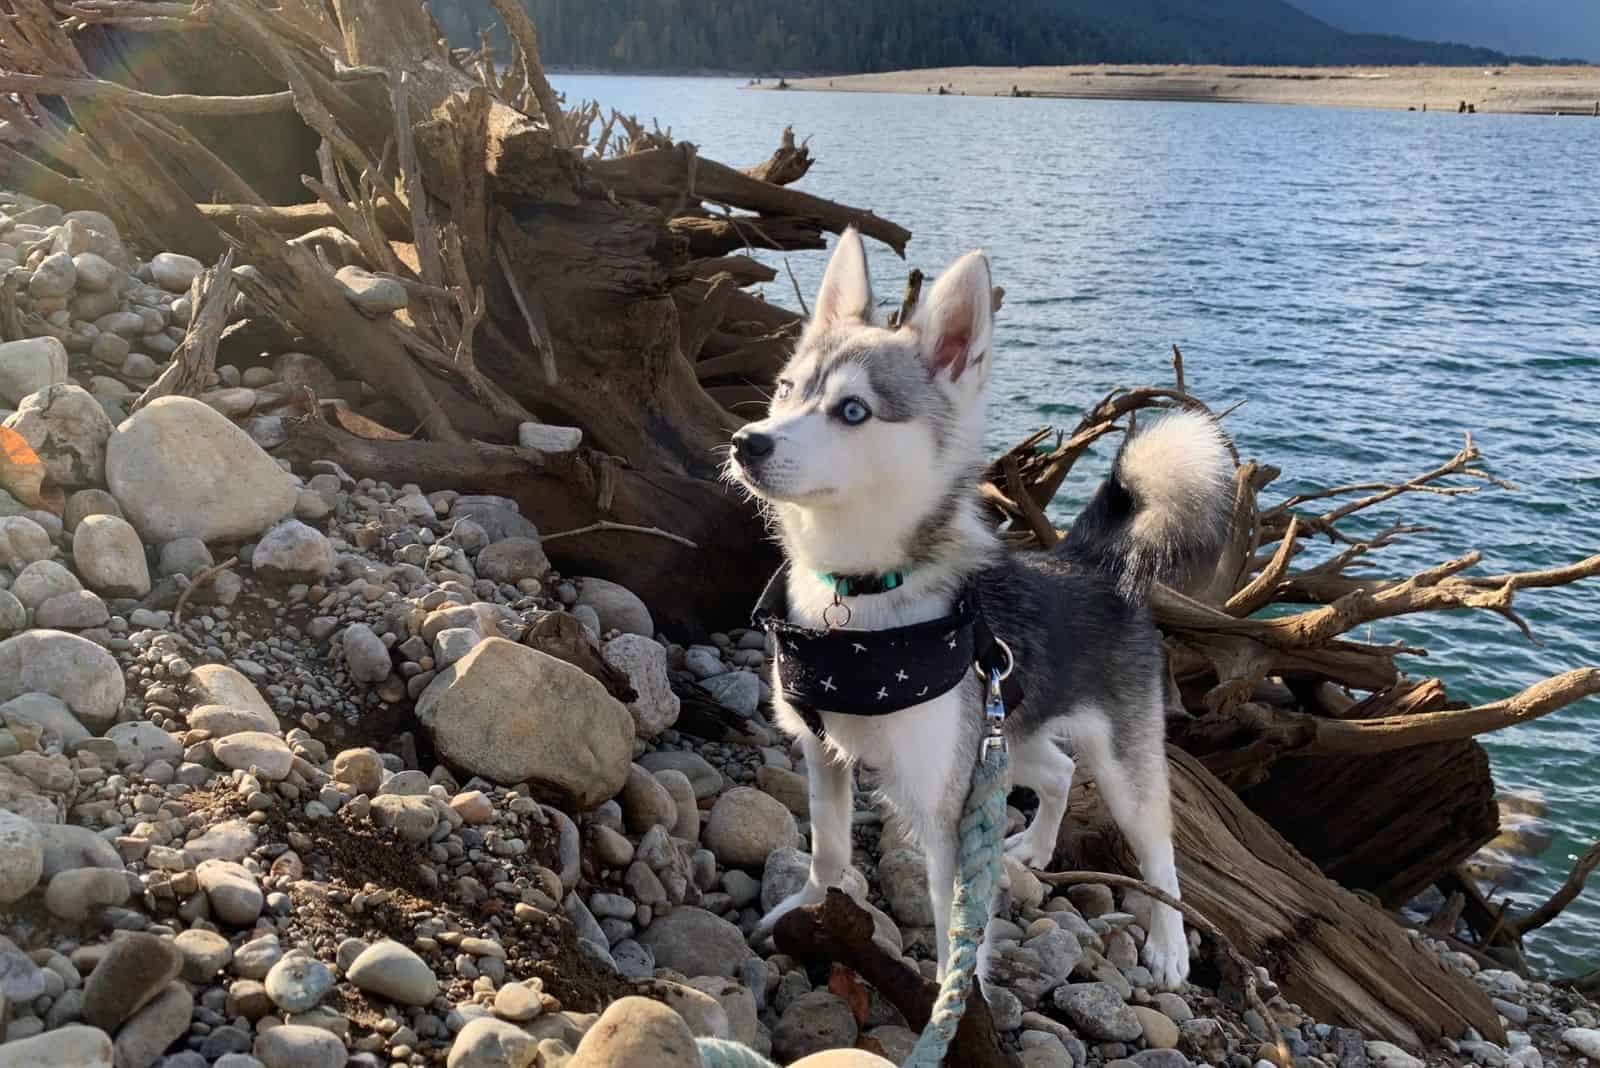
[
  {"x": 148, "y": 1033},
  {"x": 51, "y": 714},
  {"x": 21, "y": 857},
  {"x": 42, "y": 580},
  {"x": 618, "y": 607},
  {"x": 68, "y": 847},
  {"x": 390, "y": 970},
  {"x": 219, "y": 684},
  {"x": 174, "y": 271},
  {"x": 132, "y": 972},
  {"x": 489, "y": 1043},
  {"x": 293, "y": 552},
  {"x": 180, "y": 469},
  {"x": 22, "y": 542},
  {"x": 234, "y": 895},
  {"x": 109, "y": 556},
  {"x": 747, "y": 826},
  {"x": 645, "y": 662},
  {"x": 498, "y": 517},
  {"x": 513, "y": 714},
  {"x": 73, "y": 1046},
  {"x": 696, "y": 942},
  {"x": 512, "y": 560},
  {"x": 77, "y": 671},
  {"x": 68, "y": 429},
  {"x": 637, "y": 1031},
  {"x": 29, "y": 365},
  {"x": 814, "y": 1022}
]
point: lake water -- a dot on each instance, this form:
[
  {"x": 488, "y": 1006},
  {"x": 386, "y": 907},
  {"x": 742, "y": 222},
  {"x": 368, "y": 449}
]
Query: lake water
[{"x": 1372, "y": 284}]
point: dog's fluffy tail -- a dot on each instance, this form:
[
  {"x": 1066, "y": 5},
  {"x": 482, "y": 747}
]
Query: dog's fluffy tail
[{"x": 1164, "y": 512}]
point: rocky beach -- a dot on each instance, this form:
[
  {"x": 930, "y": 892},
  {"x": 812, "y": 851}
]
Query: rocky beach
[{"x": 301, "y": 770}]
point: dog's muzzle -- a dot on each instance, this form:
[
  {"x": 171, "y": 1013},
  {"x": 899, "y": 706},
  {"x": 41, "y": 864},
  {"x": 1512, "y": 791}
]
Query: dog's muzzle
[{"x": 751, "y": 446}]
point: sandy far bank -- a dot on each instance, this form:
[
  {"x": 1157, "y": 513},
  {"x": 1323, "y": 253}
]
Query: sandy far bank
[{"x": 1511, "y": 89}]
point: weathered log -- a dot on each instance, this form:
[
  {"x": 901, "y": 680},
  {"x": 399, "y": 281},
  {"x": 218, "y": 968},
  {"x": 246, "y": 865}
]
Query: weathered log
[
  {"x": 664, "y": 173},
  {"x": 297, "y": 219},
  {"x": 298, "y": 290},
  {"x": 721, "y": 234},
  {"x": 788, "y": 163},
  {"x": 745, "y": 271},
  {"x": 1341, "y": 959},
  {"x": 1387, "y": 823},
  {"x": 269, "y": 150},
  {"x": 194, "y": 364},
  {"x": 742, "y": 308}
]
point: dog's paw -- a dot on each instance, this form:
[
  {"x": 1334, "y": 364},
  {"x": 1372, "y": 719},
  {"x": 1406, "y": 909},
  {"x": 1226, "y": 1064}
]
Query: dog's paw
[
  {"x": 1166, "y": 949},
  {"x": 1026, "y": 849},
  {"x": 809, "y": 894},
  {"x": 992, "y": 964}
]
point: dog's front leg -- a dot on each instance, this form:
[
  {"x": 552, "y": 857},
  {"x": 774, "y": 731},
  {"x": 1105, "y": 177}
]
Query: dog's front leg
[
  {"x": 942, "y": 846},
  {"x": 832, "y": 803}
]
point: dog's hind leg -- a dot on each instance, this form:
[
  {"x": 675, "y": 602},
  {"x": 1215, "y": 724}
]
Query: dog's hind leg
[
  {"x": 1132, "y": 777},
  {"x": 1040, "y": 764},
  {"x": 832, "y": 800}
]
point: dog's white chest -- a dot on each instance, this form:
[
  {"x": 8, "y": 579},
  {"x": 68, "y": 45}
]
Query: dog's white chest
[{"x": 913, "y": 751}]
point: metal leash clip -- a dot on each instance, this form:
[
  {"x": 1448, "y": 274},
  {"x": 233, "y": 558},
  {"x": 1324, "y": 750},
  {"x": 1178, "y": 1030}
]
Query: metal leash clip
[{"x": 994, "y": 713}]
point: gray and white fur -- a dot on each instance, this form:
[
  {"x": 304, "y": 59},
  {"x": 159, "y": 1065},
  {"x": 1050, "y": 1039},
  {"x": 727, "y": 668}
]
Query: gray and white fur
[{"x": 867, "y": 462}]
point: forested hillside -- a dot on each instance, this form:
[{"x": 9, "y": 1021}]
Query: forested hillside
[{"x": 836, "y": 36}]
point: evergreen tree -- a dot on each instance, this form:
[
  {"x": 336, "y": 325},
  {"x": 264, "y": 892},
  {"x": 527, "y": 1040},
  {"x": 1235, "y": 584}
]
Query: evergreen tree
[{"x": 770, "y": 37}]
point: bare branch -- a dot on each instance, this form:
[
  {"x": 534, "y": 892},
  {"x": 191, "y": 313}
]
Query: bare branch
[
  {"x": 111, "y": 93},
  {"x": 1403, "y": 732},
  {"x": 523, "y": 32},
  {"x": 1564, "y": 896},
  {"x": 1259, "y": 591},
  {"x": 606, "y": 524},
  {"x": 194, "y": 364}
]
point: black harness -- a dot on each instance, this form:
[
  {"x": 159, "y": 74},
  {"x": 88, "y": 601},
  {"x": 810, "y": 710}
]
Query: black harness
[{"x": 878, "y": 672}]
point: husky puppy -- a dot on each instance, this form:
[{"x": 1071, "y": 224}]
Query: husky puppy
[{"x": 867, "y": 462}]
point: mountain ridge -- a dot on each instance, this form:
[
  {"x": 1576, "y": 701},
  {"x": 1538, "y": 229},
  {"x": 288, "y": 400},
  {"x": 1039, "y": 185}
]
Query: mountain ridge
[
  {"x": 768, "y": 37},
  {"x": 1550, "y": 28}
]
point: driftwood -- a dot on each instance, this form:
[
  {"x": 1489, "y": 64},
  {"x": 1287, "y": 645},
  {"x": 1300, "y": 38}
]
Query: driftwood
[
  {"x": 1373, "y": 776},
  {"x": 194, "y": 364},
  {"x": 1343, "y": 960},
  {"x": 552, "y": 254},
  {"x": 838, "y": 931}
]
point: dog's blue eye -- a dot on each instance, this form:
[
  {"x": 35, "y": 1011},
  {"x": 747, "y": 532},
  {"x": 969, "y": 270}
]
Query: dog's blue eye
[{"x": 852, "y": 411}]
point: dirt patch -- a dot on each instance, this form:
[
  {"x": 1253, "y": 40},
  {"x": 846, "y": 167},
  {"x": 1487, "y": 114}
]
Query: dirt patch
[{"x": 361, "y": 882}]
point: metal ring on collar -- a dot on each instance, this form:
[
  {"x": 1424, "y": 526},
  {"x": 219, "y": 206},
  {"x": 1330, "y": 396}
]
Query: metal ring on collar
[{"x": 1011, "y": 662}]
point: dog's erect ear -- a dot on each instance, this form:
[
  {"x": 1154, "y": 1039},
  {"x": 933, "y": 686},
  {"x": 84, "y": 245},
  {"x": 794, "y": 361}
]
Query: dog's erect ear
[
  {"x": 955, "y": 324},
  {"x": 846, "y": 290}
]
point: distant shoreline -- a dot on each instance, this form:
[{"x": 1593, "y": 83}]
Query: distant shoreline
[{"x": 1490, "y": 90}]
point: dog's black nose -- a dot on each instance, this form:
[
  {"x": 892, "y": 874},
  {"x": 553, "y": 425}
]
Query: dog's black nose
[{"x": 752, "y": 444}]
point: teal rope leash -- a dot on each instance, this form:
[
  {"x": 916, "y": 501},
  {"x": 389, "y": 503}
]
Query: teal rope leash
[
  {"x": 982, "y": 826},
  {"x": 982, "y": 829}
]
